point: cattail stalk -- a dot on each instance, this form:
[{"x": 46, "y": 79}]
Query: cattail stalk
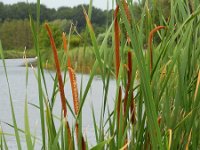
[
  {"x": 58, "y": 71},
  {"x": 117, "y": 60},
  {"x": 61, "y": 85},
  {"x": 119, "y": 105},
  {"x": 74, "y": 88},
  {"x": 129, "y": 72},
  {"x": 117, "y": 41}
]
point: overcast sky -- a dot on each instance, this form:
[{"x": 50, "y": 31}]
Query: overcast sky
[{"x": 58, "y": 3}]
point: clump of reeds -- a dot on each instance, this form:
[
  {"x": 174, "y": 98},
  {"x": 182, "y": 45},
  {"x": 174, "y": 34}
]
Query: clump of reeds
[{"x": 152, "y": 110}]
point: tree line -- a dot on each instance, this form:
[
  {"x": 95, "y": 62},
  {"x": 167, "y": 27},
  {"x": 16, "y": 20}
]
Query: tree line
[
  {"x": 22, "y": 11},
  {"x": 15, "y": 32}
]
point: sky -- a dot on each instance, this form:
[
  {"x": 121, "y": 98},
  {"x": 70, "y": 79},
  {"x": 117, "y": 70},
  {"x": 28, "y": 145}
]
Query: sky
[{"x": 58, "y": 3}]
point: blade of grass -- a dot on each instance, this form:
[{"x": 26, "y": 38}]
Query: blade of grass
[
  {"x": 102, "y": 144},
  {"x": 197, "y": 86},
  {"x": 95, "y": 124},
  {"x": 56, "y": 139},
  {"x": 11, "y": 101},
  {"x": 26, "y": 117},
  {"x": 36, "y": 45},
  {"x": 95, "y": 44},
  {"x": 93, "y": 71},
  {"x": 3, "y": 140},
  {"x": 27, "y": 127}
]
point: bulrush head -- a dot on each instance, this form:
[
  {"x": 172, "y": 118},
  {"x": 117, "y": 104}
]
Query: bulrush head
[
  {"x": 117, "y": 41},
  {"x": 61, "y": 84},
  {"x": 150, "y": 41}
]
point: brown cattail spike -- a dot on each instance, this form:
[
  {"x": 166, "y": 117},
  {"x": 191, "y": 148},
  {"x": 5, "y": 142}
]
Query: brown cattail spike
[
  {"x": 150, "y": 44},
  {"x": 117, "y": 41},
  {"x": 58, "y": 71},
  {"x": 64, "y": 42},
  {"x": 61, "y": 85},
  {"x": 159, "y": 120},
  {"x": 129, "y": 72},
  {"x": 133, "y": 114},
  {"x": 127, "y": 11},
  {"x": 74, "y": 88},
  {"x": 128, "y": 15}
]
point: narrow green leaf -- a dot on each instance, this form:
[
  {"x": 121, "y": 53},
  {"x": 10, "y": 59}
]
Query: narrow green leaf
[
  {"x": 11, "y": 101},
  {"x": 102, "y": 144}
]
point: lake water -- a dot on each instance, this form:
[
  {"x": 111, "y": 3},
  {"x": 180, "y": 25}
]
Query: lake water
[{"x": 17, "y": 80}]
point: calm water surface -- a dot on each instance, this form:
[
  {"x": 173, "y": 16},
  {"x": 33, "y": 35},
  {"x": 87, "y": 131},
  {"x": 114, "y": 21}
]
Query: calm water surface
[{"x": 17, "y": 80}]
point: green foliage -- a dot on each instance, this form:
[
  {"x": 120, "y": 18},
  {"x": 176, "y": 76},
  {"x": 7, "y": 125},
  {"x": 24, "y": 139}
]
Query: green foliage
[
  {"x": 15, "y": 31},
  {"x": 63, "y": 24},
  {"x": 101, "y": 37},
  {"x": 164, "y": 100},
  {"x": 13, "y": 54},
  {"x": 22, "y": 11},
  {"x": 64, "y": 13},
  {"x": 45, "y": 43},
  {"x": 16, "y": 34},
  {"x": 44, "y": 39},
  {"x": 75, "y": 41},
  {"x": 99, "y": 29}
]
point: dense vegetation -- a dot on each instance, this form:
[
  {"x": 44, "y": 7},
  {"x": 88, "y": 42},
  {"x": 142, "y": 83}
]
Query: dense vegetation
[
  {"x": 157, "y": 74},
  {"x": 12, "y": 25},
  {"x": 15, "y": 31},
  {"x": 23, "y": 10}
]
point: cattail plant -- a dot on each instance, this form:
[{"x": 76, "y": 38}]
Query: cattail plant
[
  {"x": 61, "y": 85},
  {"x": 74, "y": 89}
]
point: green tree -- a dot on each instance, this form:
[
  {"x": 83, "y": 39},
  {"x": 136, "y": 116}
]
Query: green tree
[
  {"x": 44, "y": 38},
  {"x": 64, "y": 13},
  {"x": 16, "y": 34},
  {"x": 1, "y": 11},
  {"x": 63, "y": 24},
  {"x": 44, "y": 41},
  {"x": 21, "y": 11}
]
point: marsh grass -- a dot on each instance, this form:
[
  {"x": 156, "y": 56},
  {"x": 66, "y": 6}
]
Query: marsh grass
[
  {"x": 157, "y": 99},
  {"x": 13, "y": 54}
]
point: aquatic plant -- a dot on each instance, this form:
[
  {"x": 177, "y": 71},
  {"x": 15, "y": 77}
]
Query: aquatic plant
[{"x": 157, "y": 95}]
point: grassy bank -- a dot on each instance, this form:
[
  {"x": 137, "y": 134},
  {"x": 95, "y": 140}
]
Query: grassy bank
[
  {"x": 14, "y": 54},
  {"x": 82, "y": 59}
]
